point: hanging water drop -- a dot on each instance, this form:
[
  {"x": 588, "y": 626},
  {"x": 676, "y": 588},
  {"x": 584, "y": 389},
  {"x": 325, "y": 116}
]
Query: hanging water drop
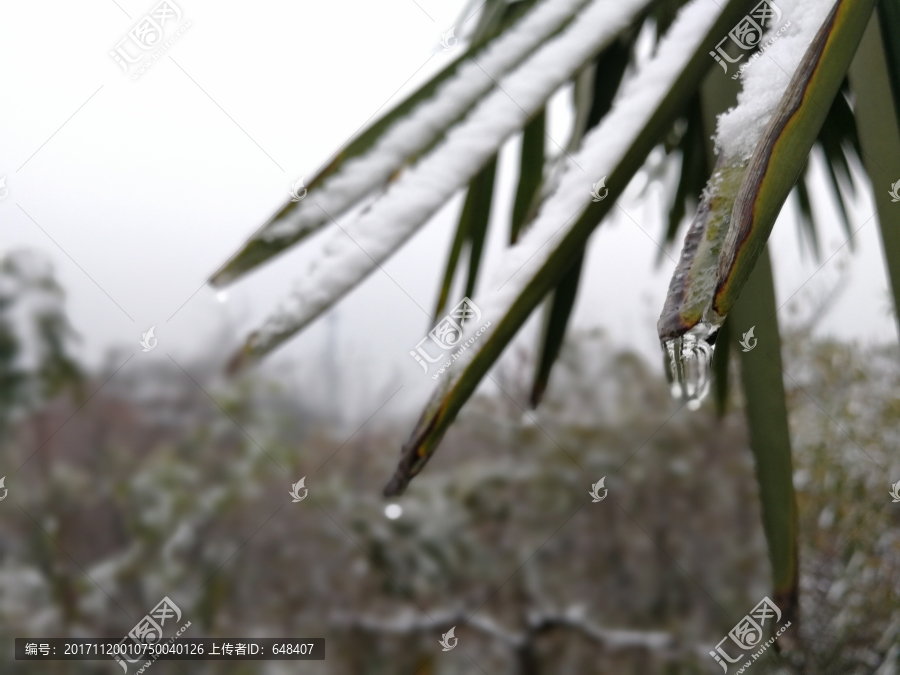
[{"x": 689, "y": 364}]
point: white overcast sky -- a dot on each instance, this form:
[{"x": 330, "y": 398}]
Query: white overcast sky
[{"x": 138, "y": 190}]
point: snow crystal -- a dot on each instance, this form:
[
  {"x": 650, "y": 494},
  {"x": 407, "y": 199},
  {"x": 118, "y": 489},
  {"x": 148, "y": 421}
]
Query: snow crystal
[{"x": 766, "y": 80}]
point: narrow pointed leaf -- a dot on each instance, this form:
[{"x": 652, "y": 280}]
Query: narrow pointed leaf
[
  {"x": 582, "y": 101},
  {"x": 839, "y": 198},
  {"x": 879, "y": 135},
  {"x": 377, "y": 154},
  {"x": 839, "y": 140},
  {"x": 807, "y": 226},
  {"x": 483, "y": 190},
  {"x": 556, "y": 320},
  {"x": 608, "y": 74},
  {"x": 459, "y": 238},
  {"x": 471, "y": 229},
  {"x": 756, "y": 313},
  {"x": 616, "y": 149},
  {"x": 762, "y": 380},
  {"x": 355, "y": 250},
  {"x": 531, "y": 172},
  {"x": 694, "y": 170},
  {"x": 839, "y": 133},
  {"x": 889, "y": 19}
]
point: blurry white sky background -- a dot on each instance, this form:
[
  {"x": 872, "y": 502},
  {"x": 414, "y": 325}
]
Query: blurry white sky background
[{"x": 138, "y": 190}]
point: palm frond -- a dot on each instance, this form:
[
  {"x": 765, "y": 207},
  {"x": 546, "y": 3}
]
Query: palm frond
[
  {"x": 616, "y": 149},
  {"x": 807, "y": 225},
  {"x": 355, "y": 250},
  {"x": 531, "y": 173},
  {"x": 767, "y": 424},
  {"x": 879, "y": 135},
  {"x": 556, "y": 320}
]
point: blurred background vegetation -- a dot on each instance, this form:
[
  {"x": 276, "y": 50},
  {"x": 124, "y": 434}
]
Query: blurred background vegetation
[{"x": 156, "y": 487}]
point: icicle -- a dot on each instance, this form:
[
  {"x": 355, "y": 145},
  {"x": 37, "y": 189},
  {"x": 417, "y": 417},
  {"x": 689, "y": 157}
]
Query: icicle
[{"x": 689, "y": 363}]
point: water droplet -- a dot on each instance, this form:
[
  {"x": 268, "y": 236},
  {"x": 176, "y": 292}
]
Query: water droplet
[
  {"x": 689, "y": 364},
  {"x": 393, "y": 511}
]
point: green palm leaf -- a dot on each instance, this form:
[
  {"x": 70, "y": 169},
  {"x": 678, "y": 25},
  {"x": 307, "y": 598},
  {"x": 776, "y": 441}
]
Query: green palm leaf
[
  {"x": 471, "y": 229},
  {"x": 556, "y": 320},
  {"x": 807, "y": 225},
  {"x": 743, "y": 270},
  {"x": 767, "y": 424},
  {"x": 531, "y": 173},
  {"x": 879, "y": 136}
]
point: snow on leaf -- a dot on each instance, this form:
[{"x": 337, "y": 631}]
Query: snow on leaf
[
  {"x": 417, "y": 131},
  {"x": 766, "y": 80},
  {"x": 355, "y": 250}
]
